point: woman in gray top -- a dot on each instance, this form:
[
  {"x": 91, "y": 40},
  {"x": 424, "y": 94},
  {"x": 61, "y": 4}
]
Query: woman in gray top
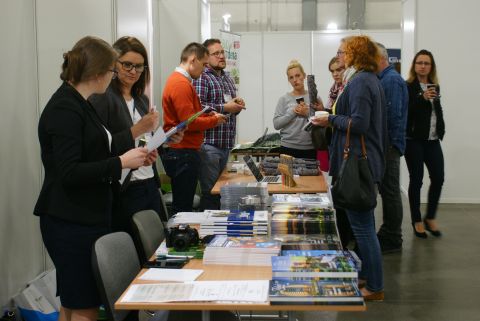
[{"x": 292, "y": 113}]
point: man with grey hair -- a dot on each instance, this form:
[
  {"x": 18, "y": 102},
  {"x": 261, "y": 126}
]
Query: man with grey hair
[{"x": 396, "y": 96}]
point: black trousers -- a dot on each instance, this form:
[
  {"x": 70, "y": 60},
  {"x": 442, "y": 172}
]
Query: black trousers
[
  {"x": 391, "y": 229},
  {"x": 182, "y": 166},
  {"x": 417, "y": 153}
]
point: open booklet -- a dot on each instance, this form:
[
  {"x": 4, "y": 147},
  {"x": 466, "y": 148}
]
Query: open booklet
[
  {"x": 235, "y": 291},
  {"x": 159, "y": 137}
]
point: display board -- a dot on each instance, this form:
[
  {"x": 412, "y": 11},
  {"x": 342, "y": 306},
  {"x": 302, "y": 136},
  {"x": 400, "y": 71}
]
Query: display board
[{"x": 231, "y": 45}]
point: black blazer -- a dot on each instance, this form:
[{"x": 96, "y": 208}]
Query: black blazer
[
  {"x": 113, "y": 111},
  {"x": 79, "y": 167},
  {"x": 419, "y": 113}
]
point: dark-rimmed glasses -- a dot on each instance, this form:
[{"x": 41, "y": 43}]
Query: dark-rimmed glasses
[
  {"x": 340, "y": 52},
  {"x": 128, "y": 66},
  {"x": 218, "y": 53}
]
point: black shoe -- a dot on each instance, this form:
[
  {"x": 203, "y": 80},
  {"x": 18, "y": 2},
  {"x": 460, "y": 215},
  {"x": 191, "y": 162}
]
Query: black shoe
[
  {"x": 389, "y": 245},
  {"x": 388, "y": 249},
  {"x": 422, "y": 235},
  {"x": 436, "y": 233}
]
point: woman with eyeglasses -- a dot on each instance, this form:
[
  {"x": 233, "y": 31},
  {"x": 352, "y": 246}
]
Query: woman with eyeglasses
[
  {"x": 127, "y": 113},
  {"x": 425, "y": 130},
  {"x": 362, "y": 102},
  {"x": 81, "y": 169}
]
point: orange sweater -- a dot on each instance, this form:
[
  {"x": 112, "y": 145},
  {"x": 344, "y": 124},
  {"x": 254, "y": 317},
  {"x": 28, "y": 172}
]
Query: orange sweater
[{"x": 179, "y": 102}]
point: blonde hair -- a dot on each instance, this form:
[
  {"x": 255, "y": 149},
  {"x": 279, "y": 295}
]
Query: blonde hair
[{"x": 295, "y": 64}]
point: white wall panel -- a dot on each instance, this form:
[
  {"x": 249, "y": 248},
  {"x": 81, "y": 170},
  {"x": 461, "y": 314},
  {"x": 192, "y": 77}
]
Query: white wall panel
[
  {"x": 132, "y": 20},
  {"x": 437, "y": 21},
  {"x": 21, "y": 250},
  {"x": 250, "y": 122},
  {"x": 60, "y": 24},
  {"x": 177, "y": 24}
]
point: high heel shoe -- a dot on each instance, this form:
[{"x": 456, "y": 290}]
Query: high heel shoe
[
  {"x": 422, "y": 235},
  {"x": 435, "y": 233}
]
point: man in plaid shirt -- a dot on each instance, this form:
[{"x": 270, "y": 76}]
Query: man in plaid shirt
[{"x": 217, "y": 90}]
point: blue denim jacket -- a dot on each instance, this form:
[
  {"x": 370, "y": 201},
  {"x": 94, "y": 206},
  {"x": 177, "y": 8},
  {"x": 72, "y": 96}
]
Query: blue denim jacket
[{"x": 396, "y": 96}]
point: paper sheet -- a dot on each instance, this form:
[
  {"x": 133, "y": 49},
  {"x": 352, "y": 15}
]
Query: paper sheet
[
  {"x": 157, "y": 139},
  {"x": 173, "y": 275},
  {"x": 234, "y": 291}
]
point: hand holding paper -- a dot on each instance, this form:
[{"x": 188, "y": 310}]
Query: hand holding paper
[{"x": 160, "y": 136}]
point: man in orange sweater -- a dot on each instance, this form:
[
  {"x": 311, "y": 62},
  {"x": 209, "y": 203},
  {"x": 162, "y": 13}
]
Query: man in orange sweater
[{"x": 180, "y": 101}]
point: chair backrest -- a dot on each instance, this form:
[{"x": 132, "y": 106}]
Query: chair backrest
[
  {"x": 148, "y": 232},
  {"x": 165, "y": 213},
  {"x": 115, "y": 265}
]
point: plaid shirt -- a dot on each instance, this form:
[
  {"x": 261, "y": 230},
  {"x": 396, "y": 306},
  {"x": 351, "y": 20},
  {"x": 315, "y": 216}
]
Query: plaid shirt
[{"x": 211, "y": 89}]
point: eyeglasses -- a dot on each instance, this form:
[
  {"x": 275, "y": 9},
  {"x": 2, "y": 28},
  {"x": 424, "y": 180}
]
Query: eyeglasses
[
  {"x": 424, "y": 63},
  {"x": 128, "y": 66},
  {"x": 340, "y": 52},
  {"x": 114, "y": 73},
  {"x": 218, "y": 53}
]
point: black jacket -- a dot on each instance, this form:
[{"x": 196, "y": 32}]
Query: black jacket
[
  {"x": 79, "y": 167},
  {"x": 419, "y": 113},
  {"x": 113, "y": 111}
]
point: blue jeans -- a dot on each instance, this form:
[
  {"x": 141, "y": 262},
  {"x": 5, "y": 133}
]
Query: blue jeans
[
  {"x": 182, "y": 166},
  {"x": 417, "y": 153},
  {"x": 363, "y": 226},
  {"x": 213, "y": 161},
  {"x": 391, "y": 229}
]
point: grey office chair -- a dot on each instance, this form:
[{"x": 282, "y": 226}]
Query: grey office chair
[
  {"x": 115, "y": 264},
  {"x": 148, "y": 233}
]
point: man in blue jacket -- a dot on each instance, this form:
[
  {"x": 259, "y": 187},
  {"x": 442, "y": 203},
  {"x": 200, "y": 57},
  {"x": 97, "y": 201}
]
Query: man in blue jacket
[{"x": 396, "y": 95}]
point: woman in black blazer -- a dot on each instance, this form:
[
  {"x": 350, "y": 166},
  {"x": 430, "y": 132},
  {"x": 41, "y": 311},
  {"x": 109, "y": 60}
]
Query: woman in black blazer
[
  {"x": 425, "y": 130},
  {"x": 81, "y": 168},
  {"x": 126, "y": 111}
]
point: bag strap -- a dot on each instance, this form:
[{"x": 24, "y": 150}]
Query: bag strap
[
  {"x": 364, "y": 147},
  {"x": 346, "y": 147}
]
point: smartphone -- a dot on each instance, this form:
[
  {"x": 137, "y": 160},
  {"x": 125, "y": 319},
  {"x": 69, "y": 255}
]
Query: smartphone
[
  {"x": 429, "y": 86},
  {"x": 299, "y": 100}
]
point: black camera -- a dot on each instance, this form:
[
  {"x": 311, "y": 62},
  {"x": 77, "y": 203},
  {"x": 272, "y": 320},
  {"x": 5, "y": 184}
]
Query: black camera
[
  {"x": 299, "y": 100},
  {"x": 182, "y": 237}
]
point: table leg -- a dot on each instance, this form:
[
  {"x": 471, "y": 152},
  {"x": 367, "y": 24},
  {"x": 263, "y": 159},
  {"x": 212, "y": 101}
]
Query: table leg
[
  {"x": 205, "y": 315},
  {"x": 292, "y": 316}
]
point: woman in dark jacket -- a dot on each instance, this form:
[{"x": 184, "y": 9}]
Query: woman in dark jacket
[
  {"x": 126, "y": 111},
  {"x": 363, "y": 103},
  {"x": 81, "y": 168},
  {"x": 425, "y": 129}
]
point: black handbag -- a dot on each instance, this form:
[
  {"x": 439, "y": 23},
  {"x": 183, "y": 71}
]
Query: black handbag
[
  {"x": 354, "y": 188},
  {"x": 319, "y": 139}
]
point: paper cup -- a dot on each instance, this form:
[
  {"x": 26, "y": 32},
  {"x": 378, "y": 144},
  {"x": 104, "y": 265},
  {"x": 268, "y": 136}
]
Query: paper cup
[{"x": 321, "y": 113}]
